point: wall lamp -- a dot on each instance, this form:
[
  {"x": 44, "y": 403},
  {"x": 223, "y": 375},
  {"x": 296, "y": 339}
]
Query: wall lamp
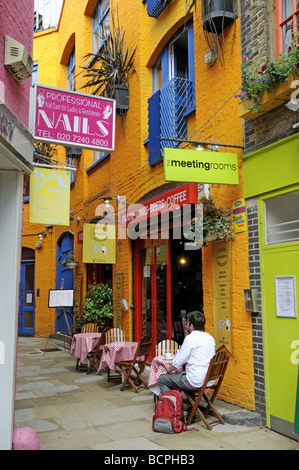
[{"x": 118, "y": 199}]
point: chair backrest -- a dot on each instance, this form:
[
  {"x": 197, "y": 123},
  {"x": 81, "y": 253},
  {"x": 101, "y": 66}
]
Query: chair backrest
[
  {"x": 114, "y": 334},
  {"x": 102, "y": 340},
  {"x": 167, "y": 346},
  {"x": 143, "y": 349},
  {"x": 89, "y": 328},
  {"x": 217, "y": 368}
]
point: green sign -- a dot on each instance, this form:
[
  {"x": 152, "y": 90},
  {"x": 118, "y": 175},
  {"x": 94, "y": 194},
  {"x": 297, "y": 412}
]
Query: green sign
[{"x": 193, "y": 166}]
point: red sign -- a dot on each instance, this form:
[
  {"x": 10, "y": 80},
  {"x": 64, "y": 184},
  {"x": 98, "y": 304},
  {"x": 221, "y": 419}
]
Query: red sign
[{"x": 186, "y": 194}]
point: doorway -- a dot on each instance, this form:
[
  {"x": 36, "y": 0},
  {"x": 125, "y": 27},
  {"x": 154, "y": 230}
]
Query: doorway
[
  {"x": 168, "y": 285},
  {"x": 280, "y": 290},
  {"x": 27, "y": 299},
  {"x": 64, "y": 280}
]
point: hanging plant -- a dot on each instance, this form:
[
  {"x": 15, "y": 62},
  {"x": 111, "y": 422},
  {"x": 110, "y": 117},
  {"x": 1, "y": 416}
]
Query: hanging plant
[
  {"x": 216, "y": 223},
  {"x": 70, "y": 261}
]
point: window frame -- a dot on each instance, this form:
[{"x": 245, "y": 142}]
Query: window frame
[
  {"x": 280, "y": 23},
  {"x": 97, "y": 26},
  {"x": 71, "y": 71}
]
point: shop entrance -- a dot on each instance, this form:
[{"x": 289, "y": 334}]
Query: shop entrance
[{"x": 168, "y": 285}]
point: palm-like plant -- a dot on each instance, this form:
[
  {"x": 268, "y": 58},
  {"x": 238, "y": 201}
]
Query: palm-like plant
[
  {"x": 189, "y": 5},
  {"x": 111, "y": 65}
]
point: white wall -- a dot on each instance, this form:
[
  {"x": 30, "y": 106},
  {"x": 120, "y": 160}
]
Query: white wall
[{"x": 11, "y": 191}]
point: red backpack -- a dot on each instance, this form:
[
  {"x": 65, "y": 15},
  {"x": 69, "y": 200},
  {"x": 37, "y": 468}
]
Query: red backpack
[{"x": 168, "y": 417}]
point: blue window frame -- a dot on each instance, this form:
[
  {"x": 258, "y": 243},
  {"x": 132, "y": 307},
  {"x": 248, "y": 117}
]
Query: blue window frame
[
  {"x": 71, "y": 71},
  {"x": 173, "y": 98},
  {"x": 100, "y": 24}
]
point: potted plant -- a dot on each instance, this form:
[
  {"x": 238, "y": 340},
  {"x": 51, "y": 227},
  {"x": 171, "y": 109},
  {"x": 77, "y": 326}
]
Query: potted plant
[
  {"x": 98, "y": 304},
  {"x": 70, "y": 261},
  {"x": 108, "y": 70}
]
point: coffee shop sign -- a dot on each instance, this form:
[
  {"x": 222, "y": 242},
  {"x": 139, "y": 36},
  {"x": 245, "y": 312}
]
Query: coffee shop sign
[{"x": 72, "y": 119}]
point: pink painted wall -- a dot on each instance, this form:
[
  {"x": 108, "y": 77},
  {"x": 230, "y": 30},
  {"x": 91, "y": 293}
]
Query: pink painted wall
[{"x": 16, "y": 20}]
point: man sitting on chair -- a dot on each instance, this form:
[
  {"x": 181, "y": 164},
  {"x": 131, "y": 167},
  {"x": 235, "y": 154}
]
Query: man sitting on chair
[{"x": 195, "y": 354}]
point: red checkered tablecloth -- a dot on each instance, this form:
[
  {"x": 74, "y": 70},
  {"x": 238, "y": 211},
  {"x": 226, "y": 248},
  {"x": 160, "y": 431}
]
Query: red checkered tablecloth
[
  {"x": 83, "y": 343},
  {"x": 117, "y": 351},
  {"x": 158, "y": 366}
]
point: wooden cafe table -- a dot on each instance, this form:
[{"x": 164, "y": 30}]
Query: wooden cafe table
[
  {"x": 83, "y": 343},
  {"x": 115, "y": 352},
  {"x": 158, "y": 366}
]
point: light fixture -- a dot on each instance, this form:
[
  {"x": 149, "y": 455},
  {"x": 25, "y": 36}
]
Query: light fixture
[
  {"x": 200, "y": 147},
  {"x": 183, "y": 260},
  {"x": 118, "y": 199}
]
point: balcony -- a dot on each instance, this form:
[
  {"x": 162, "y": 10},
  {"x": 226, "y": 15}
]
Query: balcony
[
  {"x": 167, "y": 110},
  {"x": 155, "y": 7}
]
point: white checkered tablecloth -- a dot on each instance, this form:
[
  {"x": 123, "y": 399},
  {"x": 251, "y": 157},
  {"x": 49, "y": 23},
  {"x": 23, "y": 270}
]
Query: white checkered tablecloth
[
  {"x": 83, "y": 343},
  {"x": 158, "y": 366},
  {"x": 117, "y": 351}
]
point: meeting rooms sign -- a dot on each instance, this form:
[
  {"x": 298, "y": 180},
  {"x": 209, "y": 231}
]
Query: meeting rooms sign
[
  {"x": 72, "y": 119},
  {"x": 195, "y": 166}
]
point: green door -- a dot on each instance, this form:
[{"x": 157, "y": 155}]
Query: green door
[{"x": 280, "y": 291}]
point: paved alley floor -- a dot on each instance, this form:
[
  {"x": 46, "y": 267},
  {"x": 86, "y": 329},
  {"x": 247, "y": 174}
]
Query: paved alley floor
[{"x": 71, "y": 410}]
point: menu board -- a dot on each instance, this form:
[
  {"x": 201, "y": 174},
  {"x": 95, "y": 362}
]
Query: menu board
[
  {"x": 285, "y": 296},
  {"x": 61, "y": 298}
]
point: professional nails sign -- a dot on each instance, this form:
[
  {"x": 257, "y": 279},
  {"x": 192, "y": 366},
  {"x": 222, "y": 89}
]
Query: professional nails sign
[
  {"x": 195, "y": 166},
  {"x": 72, "y": 119}
]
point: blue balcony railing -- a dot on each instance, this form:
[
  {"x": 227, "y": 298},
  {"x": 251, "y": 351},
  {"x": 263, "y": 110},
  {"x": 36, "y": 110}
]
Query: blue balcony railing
[
  {"x": 155, "y": 7},
  {"x": 166, "y": 116}
]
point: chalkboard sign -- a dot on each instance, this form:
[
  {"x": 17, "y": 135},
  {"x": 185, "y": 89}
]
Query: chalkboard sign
[{"x": 61, "y": 298}]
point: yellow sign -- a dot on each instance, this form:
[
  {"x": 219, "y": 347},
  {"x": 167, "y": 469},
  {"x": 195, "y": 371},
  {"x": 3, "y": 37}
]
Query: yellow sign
[
  {"x": 99, "y": 243},
  {"x": 221, "y": 262},
  {"x": 49, "y": 201},
  {"x": 118, "y": 292},
  {"x": 239, "y": 216},
  {"x": 193, "y": 166}
]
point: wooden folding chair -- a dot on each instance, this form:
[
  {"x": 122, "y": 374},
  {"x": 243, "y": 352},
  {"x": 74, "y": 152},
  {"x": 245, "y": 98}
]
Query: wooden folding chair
[
  {"x": 94, "y": 356},
  {"x": 87, "y": 328},
  {"x": 139, "y": 360},
  {"x": 215, "y": 375},
  {"x": 167, "y": 346},
  {"x": 114, "y": 334}
]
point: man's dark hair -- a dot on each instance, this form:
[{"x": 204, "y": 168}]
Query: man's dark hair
[{"x": 197, "y": 319}]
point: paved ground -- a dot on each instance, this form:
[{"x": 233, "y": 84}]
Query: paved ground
[{"x": 71, "y": 410}]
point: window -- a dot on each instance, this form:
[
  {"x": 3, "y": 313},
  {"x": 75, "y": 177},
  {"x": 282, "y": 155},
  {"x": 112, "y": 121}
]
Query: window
[
  {"x": 71, "y": 71},
  {"x": 100, "y": 24},
  {"x": 35, "y": 73},
  {"x": 287, "y": 22},
  {"x": 176, "y": 59},
  {"x": 281, "y": 215}
]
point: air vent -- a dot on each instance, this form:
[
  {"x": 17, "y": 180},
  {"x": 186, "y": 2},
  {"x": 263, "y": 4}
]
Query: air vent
[{"x": 17, "y": 60}]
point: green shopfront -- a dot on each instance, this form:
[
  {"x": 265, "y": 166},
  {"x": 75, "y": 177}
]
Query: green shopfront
[{"x": 271, "y": 185}]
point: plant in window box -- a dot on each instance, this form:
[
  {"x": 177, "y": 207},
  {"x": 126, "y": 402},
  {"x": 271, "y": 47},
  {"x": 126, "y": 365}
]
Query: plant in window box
[
  {"x": 98, "y": 304},
  {"x": 70, "y": 261},
  {"x": 109, "y": 69},
  {"x": 260, "y": 79}
]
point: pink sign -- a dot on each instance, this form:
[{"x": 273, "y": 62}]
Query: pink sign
[{"x": 73, "y": 119}]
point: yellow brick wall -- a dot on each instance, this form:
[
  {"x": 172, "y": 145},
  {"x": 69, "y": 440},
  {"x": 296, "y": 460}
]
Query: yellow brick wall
[{"x": 127, "y": 172}]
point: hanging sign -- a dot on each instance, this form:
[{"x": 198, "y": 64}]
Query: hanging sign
[
  {"x": 195, "y": 166},
  {"x": 239, "y": 216},
  {"x": 49, "y": 201},
  {"x": 221, "y": 264},
  {"x": 72, "y": 119},
  {"x": 99, "y": 243}
]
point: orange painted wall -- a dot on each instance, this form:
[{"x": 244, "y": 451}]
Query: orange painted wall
[{"x": 126, "y": 171}]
